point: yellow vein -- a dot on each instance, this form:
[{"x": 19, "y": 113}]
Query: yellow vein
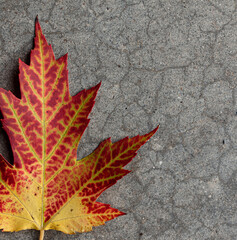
[
  {"x": 26, "y": 173},
  {"x": 6, "y": 186},
  {"x": 26, "y": 139},
  {"x": 62, "y": 166},
  {"x": 56, "y": 110},
  {"x": 8, "y": 214},
  {"x": 33, "y": 110},
  {"x": 88, "y": 182},
  {"x": 32, "y": 87},
  {"x": 87, "y": 215},
  {"x": 56, "y": 81},
  {"x": 97, "y": 159},
  {"x": 44, "y": 132},
  {"x": 106, "y": 179},
  {"x": 65, "y": 131}
]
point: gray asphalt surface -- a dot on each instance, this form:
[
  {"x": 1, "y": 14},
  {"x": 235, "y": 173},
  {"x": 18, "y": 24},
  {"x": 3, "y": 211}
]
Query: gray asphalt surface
[{"x": 160, "y": 61}]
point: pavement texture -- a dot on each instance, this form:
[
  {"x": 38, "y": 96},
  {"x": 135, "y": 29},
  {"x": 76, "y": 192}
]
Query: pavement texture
[{"x": 160, "y": 61}]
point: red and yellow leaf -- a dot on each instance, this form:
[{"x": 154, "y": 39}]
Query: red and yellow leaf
[{"x": 47, "y": 187}]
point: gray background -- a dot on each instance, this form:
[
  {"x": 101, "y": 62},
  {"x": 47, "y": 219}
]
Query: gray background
[{"x": 160, "y": 61}]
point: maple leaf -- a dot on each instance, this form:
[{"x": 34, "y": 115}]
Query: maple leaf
[{"x": 47, "y": 187}]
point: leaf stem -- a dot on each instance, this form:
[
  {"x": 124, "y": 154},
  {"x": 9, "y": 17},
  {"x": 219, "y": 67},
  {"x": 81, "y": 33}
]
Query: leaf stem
[{"x": 41, "y": 234}]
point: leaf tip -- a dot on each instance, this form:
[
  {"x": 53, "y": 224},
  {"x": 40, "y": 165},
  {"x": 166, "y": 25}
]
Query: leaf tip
[
  {"x": 95, "y": 89},
  {"x": 98, "y": 86},
  {"x": 37, "y": 25},
  {"x": 122, "y": 213},
  {"x": 37, "y": 21},
  {"x": 155, "y": 130},
  {"x": 150, "y": 134}
]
